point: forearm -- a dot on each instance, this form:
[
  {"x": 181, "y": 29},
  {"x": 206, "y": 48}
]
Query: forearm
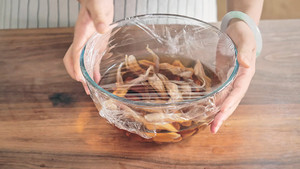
[{"x": 253, "y": 8}]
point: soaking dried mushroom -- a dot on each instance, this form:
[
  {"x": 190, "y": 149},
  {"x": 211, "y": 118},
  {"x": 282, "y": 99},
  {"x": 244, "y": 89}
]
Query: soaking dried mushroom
[{"x": 159, "y": 81}]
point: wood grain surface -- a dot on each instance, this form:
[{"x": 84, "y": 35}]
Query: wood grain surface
[
  {"x": 47, "y": 121},
  {"x": 272, "y": 9}
]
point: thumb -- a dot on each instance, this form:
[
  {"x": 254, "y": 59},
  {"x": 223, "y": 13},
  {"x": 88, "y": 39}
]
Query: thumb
[
  {"x": 245, "y": 54},
  {"x": 244, "y": 40},
  {"x": 101, "y": 12}
]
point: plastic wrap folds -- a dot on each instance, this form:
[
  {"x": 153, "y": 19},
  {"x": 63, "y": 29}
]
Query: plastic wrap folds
[{"x": 162, "y": 77}]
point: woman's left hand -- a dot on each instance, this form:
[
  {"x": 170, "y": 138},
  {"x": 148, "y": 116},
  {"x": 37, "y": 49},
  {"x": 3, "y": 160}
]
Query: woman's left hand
[
  {"x": 94, "y": 15},
  {"x": 244, "y": 40}
]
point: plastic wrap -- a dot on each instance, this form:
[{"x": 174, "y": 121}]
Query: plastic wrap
[{"x": 159, "y": 76}]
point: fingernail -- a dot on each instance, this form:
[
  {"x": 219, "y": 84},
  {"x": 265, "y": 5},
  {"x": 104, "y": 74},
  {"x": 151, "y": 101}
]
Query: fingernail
[
  {"x": 216, "y": 130},
  {"x": 218, "y": 127}
]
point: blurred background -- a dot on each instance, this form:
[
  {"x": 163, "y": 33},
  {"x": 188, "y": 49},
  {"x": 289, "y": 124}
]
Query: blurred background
[
  {"x": 63, "y": 13},
  {"x": 273, "y": 9}
]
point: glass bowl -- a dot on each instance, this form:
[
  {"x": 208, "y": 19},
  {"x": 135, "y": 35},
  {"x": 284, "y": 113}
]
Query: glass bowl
[{"x": 159, "y": 77}]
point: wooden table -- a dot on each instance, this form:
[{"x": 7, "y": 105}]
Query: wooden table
[{"x": 47, "y": 121}]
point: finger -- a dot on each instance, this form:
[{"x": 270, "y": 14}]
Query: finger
[
  {"x": 240, "y": 87},
  {"x": 101, "y": 12},
  {"x": 86, "y": 89},
  {"x": 83, "y": 30},
  {"x": 102, "y": 49},
  {"x": 245, "y": 54},
  {"x": 96, "y": 74},
  {"x": 221, "y": 117},
  {"x": 230, "y": 104},
  {"x": 244, "y": 39},
  {"x": 68, "y": 62}
]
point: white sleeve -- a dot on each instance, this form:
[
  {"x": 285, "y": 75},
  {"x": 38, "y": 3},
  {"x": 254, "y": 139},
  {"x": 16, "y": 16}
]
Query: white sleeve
[
  {"x": 202, "y": 9},
  {"x": 38, "y": 13},
  {"x": 63, "y": 13}
]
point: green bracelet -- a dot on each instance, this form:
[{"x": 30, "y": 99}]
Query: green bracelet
[{"x": 244, "y": 17}]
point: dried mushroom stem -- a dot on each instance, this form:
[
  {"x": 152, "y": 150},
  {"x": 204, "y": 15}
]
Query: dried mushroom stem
[
  {"x": 119, "y": 75},
  {"x": 186, "y": 123},
  {"x": 186, "y": 90},
  {"x": 179, "y": 64},
  {"x": 164, "y": 117},
  {"x": 161, "y": 126},
  {"x": 155, "y": 59},
  {"x": 146, "y": 63},
  {"x": 188, "y": 133},
  {"x": 167, "y": 137},
  {"x": 172, "y": 88},
  {"x": 125, "y": 113},
  {"x": 175, "y": 70},
  {"x": 120, "y": 114},
  {"x": 199, "y": 72},
  {"x": 186, "y": 83},
  {"x": 157, "y": 84},
  {"x": 132, "y": 65},
  {"x": 123, "y": 89}
]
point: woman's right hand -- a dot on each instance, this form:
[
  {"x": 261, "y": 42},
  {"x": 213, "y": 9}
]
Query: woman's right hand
[{"x": 94, "y": 15}]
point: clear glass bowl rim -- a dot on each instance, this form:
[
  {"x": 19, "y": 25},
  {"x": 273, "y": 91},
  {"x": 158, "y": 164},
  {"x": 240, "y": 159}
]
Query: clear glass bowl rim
[{"x": 138, "y": 103}]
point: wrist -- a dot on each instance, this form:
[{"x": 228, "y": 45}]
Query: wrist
[
  {"x": 236, "y": 21},
  {"x": 242, "y": 21}
]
